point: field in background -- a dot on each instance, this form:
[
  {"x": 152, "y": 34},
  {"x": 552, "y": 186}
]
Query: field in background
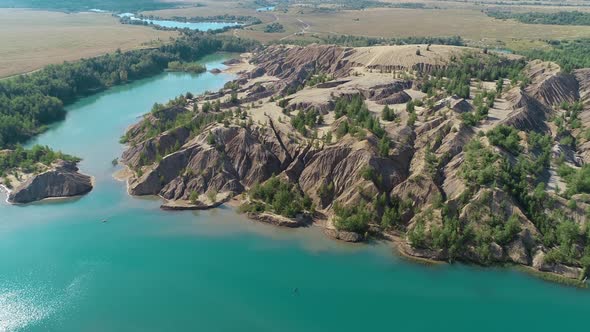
[
  {"x": 469, "y": 24},
  {"x": 31, "y": 39},
  {"x": 438, "y": 18}
]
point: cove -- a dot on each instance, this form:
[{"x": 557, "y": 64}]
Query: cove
[{"x": 61, "y": 269}]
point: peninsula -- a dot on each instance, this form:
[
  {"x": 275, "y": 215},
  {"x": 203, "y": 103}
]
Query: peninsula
[
  {"x": 41, "y": 173},
  {"x": 454, "y": 153}
]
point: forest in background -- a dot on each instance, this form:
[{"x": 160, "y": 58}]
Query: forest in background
[{"x": 79, "y": 5}]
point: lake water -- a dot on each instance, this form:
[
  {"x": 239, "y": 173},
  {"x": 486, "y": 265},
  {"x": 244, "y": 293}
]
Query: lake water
[
  {"x": 200, "y": 26},
  {"x": 61, "y": 269},
  {"x": 265, "y": 9}
]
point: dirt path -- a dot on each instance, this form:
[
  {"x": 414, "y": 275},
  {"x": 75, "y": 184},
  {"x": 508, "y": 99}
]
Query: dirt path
[{"x": 303, "y": 30}]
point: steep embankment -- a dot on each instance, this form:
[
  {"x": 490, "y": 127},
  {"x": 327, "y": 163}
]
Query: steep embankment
[
  {"x": 456, "y": 178},
  {"x": 60, "y": 180}
]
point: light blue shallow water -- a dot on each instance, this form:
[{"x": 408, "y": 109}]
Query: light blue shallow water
[
  {"x": 61, "y": 269},
  {"x": 200, "y": 26},
  {"x": 265, "y": 9}
]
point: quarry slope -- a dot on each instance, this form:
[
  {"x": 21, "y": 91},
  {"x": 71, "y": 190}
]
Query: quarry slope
[{"x": 419, "y": 171}]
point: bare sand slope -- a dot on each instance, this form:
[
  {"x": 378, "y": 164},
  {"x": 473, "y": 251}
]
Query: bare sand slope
[{"x": 405, "y": 55}]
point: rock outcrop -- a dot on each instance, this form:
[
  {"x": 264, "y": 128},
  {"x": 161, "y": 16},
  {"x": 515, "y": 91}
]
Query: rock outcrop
[
  {"x": 344, "y": 235},
  {"x": 528, "y": 113},
  {"x": 277, "y": 220},
  {"x": 62, "y": 180},
  {"x": 549, "y": 85}
]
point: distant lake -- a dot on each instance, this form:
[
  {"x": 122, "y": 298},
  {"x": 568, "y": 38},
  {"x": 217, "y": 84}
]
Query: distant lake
[
  {"x": 200, "y": 26},
  {"x": 266, "y": 9}
]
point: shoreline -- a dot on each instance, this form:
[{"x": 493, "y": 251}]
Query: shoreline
[
  {"x": 394, "y": 240},
  {"x": 239, "y": 67},
  {"x": 4, "y": 189},
  {"x": 123, "y": 174},
  {"x": 398, "y": 241}
]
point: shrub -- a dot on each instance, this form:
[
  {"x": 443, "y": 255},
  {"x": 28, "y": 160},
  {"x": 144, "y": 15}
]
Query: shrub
[
  {"x": 504, "y": 234},
  {"x": 417, "y": 235},
  {"x": 274, "y": 27},
  {"x": 193, "y": 197},
  {"x": 358, "y": 115},
  {"x": 26, "y": 159},
  {"x": 387, "y": 114},
  {"x": 578, "y": 181},
  {"x": 280, "y": 197},
  {"x": 480, "y": 165},
  {"x": 505, "y": 137},
  {"x": 353, "y": 218}
]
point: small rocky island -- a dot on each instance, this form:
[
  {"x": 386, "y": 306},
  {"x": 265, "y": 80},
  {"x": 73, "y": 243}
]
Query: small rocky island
[
  {"x": 452, "y": 153},
  {"x": 40, "y": 174}
]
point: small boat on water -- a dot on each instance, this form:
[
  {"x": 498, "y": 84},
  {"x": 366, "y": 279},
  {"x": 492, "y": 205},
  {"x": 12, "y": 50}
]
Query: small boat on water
[{"x": 104, "y": 220}]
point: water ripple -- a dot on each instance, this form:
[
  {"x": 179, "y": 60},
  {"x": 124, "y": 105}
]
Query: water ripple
[{"x": 23, "y": 307}]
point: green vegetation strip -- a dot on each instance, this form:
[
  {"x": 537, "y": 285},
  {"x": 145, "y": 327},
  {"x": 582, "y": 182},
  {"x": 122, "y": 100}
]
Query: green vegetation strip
[
  {"x": 83, "y": 5},
  {"x": 360, "y": 41},
  {"x": 560, "y": 18},
  {"x": 569, "y": 54}
]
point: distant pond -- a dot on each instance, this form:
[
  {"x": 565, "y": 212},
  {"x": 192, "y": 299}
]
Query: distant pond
[
  {"x": 200, "y": 26},
  {"x": 265, "y": 9}
]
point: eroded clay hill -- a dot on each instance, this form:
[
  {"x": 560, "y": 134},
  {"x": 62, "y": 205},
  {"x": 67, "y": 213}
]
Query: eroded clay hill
[{"x": 438, "y": 172}]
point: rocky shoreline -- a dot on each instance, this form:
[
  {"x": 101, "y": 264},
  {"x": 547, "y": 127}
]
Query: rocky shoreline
[
  {"x": 62, "y": 180},
  {"x": 5, "y": 190},
  {"x": 278, "y": 220},
  {"x": 200, "y": 203}
]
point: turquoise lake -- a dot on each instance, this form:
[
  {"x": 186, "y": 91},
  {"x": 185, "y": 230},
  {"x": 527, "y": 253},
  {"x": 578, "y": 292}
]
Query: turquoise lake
[{"x": 61, "y": 269}]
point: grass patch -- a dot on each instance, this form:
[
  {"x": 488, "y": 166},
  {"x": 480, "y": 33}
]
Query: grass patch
[{"x": 57, "y": 37}]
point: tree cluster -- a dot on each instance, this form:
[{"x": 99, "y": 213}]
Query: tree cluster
[
  {"x": 569, "y": 54},
  {"x": 456, "y": 78},
  {"x": 274, "y": 28},
  {"x": 559, "y": 18},
  {"x": 27, "y": 159},
  {"x": 278, "y": 196}
]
